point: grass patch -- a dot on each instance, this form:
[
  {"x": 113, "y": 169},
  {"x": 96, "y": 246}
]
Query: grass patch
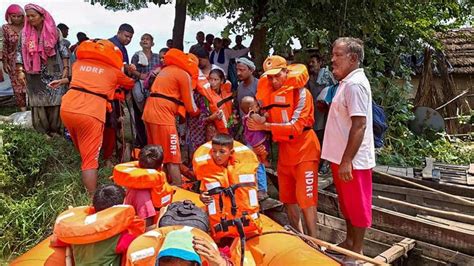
[{"x": 39, "y": 179}]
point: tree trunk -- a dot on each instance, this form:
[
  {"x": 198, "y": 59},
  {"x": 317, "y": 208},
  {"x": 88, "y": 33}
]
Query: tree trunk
[
  {"x": 259, "y": 48},
  {"x": 179, "y": 23}
]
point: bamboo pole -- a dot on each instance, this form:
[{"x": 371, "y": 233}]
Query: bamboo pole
[
  {"x": 327, "y": 245},
  {"x": 344, "y": 251},
  {"x": 460, "y": 199}
]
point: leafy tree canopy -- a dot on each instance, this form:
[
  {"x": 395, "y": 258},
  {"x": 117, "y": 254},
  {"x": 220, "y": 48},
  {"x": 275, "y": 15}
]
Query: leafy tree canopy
[{"x": 388, "y": 28}]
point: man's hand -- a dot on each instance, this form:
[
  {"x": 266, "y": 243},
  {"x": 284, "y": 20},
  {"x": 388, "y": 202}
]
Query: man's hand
[
  {"x": 255, "y": 125},
  {"x": 209, "y": 252},
  {"x": 345, "y": 171},
  {"x": 205, "y": 198}
]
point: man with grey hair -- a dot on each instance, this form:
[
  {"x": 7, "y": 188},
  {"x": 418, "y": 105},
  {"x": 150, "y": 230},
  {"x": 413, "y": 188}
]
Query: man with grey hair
[{"x": 349, "y": 142}]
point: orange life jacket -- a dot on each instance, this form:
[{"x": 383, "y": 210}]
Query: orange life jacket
[
  {"x": 218, "y": 102},
  {"x": 145, "y": 248},
  {"x": 101, "y": 50},
  {"x": 131, "y": 176},
  {"x": 282, "y": 103},
  {"x": 81, "y": 225},
  {"x": 234, "y": 190}
]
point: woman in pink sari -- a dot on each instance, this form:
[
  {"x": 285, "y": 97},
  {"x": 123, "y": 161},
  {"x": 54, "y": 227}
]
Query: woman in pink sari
[
  {"x": 43, "y": 58},
  {"x": 15, "y": 17}
]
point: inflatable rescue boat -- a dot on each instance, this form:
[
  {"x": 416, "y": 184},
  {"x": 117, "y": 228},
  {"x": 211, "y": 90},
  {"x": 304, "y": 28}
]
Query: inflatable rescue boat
[{"x": 270, "y": 248}]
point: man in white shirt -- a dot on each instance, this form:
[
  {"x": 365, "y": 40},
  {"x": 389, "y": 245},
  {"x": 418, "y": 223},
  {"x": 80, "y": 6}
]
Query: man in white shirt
[
  {"x": 221, "y": 56},
  {"x": 349, "y": 142}
]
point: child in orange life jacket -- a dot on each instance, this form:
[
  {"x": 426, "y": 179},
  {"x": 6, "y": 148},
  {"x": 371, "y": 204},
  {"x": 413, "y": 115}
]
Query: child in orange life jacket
[
  {"x": 150, "y": 157},
  {"x": 216, "y": 81},
  {"x": 222, "y": 150},
  {"x": 108, "y": 251}
]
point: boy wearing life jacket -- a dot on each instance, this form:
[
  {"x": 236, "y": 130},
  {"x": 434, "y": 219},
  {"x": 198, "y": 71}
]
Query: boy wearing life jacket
[
  {"x": 290, "y": 119},
  {"x": 227, "y": 170},
  {"x": 107, "y": 251},
  {"x": 147, "y": 188}
]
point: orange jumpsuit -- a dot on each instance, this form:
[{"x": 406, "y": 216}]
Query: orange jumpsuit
[
  {"x": 299, "y": 150},
  {"x": 159, "y": 113},
  {"x": 83, "y": 113}
]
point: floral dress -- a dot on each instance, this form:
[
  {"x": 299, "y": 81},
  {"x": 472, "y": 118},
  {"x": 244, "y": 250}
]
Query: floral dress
[{"x": 10, "y": 44}]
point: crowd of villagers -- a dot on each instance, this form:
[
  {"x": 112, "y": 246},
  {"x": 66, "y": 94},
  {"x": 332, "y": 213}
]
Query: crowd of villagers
[{"x": 203, "y": 106}]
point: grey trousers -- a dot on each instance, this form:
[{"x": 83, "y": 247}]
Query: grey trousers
[{"x": 46, "y": 119}]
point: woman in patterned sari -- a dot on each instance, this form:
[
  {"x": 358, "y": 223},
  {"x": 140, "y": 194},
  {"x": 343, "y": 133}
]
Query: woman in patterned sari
[{"x": 43, "y": 58}]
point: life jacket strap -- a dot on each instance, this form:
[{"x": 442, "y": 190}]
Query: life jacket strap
[
  {"x": 103, "y": 96},
  {"x": 223, "y": 101},
  {"x": 159, "y": 95},
  {"x": 229, "y": 192},
  {"x": 278, "y": 105}
]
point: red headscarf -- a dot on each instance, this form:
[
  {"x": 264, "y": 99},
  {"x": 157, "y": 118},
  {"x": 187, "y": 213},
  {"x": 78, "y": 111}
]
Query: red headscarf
[
  {"x": 34, "y": 52},
  {"x": 13, "y": 9}
]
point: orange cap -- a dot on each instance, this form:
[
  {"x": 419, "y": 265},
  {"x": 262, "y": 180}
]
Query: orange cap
[{"x": 274, "y": 64}]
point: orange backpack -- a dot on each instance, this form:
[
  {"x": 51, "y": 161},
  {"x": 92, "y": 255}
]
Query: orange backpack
[
  {"x": 145, "y": 248},
  {"x": 234, "y": 190},
  {"x": 100, "y": 50},
  {"x": 131, "y": 176},
  {"x": 81, "y": 225}
]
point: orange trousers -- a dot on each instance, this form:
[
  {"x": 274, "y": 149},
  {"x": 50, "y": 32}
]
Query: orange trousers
[
  {"x": 167, "y": 137},
  {"x": 86, "y": 134}
]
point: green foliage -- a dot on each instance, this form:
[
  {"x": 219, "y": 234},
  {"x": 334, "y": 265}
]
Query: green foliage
[
  {"x": 402, "y": 147},
  {"x": 30, "y": 201},
  {"x": 21, "y": 150}
]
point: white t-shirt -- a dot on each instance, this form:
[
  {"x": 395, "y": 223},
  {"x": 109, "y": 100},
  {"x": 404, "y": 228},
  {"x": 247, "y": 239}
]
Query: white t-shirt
[
  {"x": 353, "y": 98},
  {"x": 228, "y": 54}
]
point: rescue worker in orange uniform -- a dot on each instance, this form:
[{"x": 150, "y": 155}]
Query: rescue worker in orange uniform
[
  {"x": 290, "y": 119},
  {"x": 171, "y": 94},
  {"x": 95, "y": 76}
]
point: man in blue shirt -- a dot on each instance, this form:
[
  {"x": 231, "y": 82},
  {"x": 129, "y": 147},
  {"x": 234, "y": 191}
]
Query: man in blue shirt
[
  {"x": 113, "y": 120},
  {"x": 123, "y": 38}
]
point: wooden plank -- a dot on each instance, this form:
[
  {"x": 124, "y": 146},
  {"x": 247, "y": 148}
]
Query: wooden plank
[
  {"x": 408, "y": 226},
  {"x": 371, "y": 248},
  {"x": 410, "y": 172},
  {"x": 460, "y": 190},
  {"x": 397, "y": 171},
  {"x": 422, "y": 197},
  {"x": 384, "y": 168},
  {"x": 396, "y": 251},
  {"x": 470, "y": 180},
  {"x": 454, "y": 216},
  {"x": 428, "y": 170},
  {"x": 423, "y": 251},
  {"x": 448, "y": 222}
]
